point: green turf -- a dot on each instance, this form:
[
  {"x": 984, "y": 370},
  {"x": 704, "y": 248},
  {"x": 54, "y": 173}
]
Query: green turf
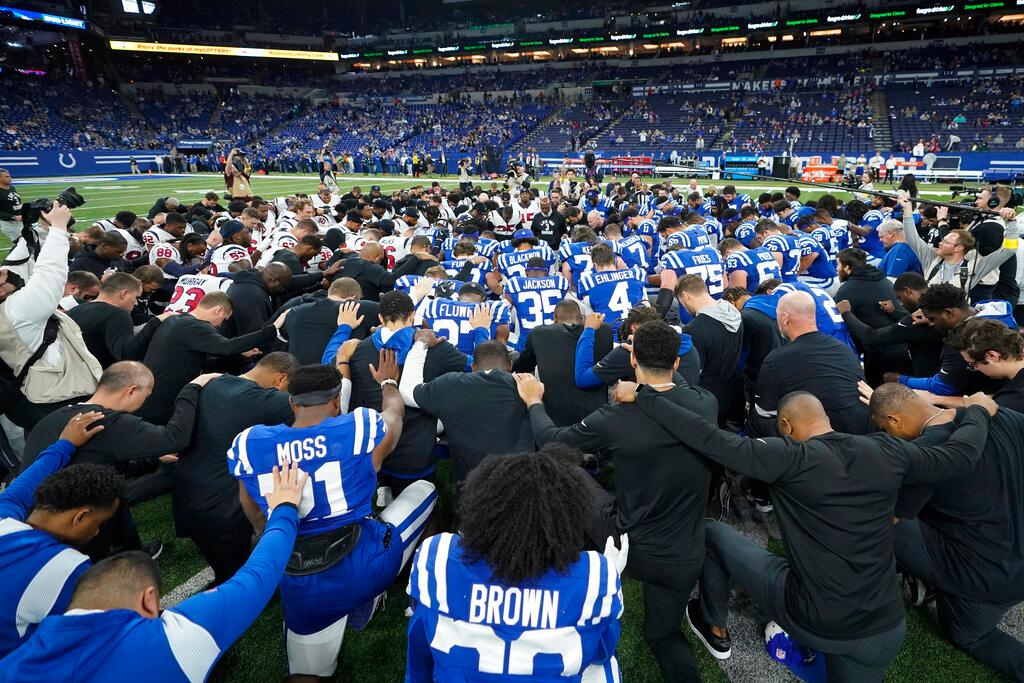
[{"x": 378, "y": 654}]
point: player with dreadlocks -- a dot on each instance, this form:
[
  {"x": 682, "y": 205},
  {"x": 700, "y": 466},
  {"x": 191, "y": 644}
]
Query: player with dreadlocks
[{"x": 516, "y": 585}]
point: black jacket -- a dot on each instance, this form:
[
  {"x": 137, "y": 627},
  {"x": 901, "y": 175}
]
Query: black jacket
[
  {"x": 372, "y": 277},
  {"x": 309, "y": 326},
  {"x": 549, "y": 228},
  {"x": 90, "y": 261},
  {"x": 252, "y": 303},
  {"x": 159, "y": 207},
  {"x": 109, "y": 333},
  {"x": 864, "y": 289}
]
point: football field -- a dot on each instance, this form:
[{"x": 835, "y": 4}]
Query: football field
[{"x": 377, "y": 654}]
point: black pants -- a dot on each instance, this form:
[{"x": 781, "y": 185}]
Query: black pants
[
  {"x": 225, "y": 551},
  {"x": 116, "y": 535},
  {"x": 732, "y": 557},
  {"x": 972, "y": 625},
  {"x": 666, "y": 586},
  {"x": 149, "y": 486}
]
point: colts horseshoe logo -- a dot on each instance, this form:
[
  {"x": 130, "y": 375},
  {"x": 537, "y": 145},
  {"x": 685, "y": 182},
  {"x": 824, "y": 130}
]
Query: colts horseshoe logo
[{"x": 74, "y": 162}]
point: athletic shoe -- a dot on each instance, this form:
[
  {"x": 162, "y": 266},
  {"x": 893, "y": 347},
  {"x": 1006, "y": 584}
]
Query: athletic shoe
[
  {"x": 154, "y": 548},
  {"x": 921, "y": 593},
  {"x": 803, "y": 662},
  {"x": 719, "y": 647},
  {"x": 763, "y": 505}
]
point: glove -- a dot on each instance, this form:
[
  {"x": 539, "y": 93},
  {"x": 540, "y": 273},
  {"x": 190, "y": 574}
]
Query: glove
[{"x": 617, "y": 556}]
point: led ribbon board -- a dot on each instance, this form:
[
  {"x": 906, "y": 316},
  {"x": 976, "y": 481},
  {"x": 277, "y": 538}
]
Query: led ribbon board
[
  {"x": 54, "y": 19},
  {"x": 222, "y": 51}
]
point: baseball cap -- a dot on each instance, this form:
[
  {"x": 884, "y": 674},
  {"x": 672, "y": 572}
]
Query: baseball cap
[
  {"x": 374, "y": 187},
  {"x": 411, "y": 212},
  {"x": 229, "y": 228},
  {"x": 523, "y": 234},
  {"x": 804, "y": 662},
  {"x": 472, "y": 288},
  {"x": 537, "y": 263},
  {"x": 591, "y": 194},
  {"x": 386, "y": 226}
]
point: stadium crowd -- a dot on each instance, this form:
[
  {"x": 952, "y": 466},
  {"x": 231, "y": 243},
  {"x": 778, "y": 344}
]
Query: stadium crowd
[{"x": 600, "y": 362}]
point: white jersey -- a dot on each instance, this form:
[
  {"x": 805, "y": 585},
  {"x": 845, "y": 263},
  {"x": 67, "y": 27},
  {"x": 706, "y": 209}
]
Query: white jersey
[
  {"x": 324, "y": 223},
  {"x": 314, "y": 263},
  {"x": 395, "y": 248},
  {"x": 286, "y": 220},
  {"x": 136, "y": 247},
  {"x": 524, "y": 215},
  {"x": 273, "y": 244},
  {"x": 164, "y": 250},
  {"x": 319, "y": 203},
  {"x": 190, "y": 290},
  {"x": 224, "y": 255},
  {"x": 156, "y": 235}
]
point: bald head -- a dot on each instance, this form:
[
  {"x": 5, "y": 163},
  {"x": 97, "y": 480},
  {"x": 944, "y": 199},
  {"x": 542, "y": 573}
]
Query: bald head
[
  {"x": 900, "y": 411},
  {"x": 125, "y": 374},
  {"x": 801, "y": 416},
  {"x": 795, "y": 315},
  {"x": 372, "y": 252}
]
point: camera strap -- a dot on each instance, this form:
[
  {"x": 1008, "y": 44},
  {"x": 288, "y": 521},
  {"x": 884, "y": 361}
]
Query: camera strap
[{"x": 49, "y": 336}]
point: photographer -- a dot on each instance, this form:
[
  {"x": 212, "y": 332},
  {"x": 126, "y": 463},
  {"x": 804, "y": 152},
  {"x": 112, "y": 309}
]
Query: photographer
[
  {"x": 10, "y": 207},
  {"x": 465, "y": 182},
  {"x": 957, "y": 261},
  {"x": 45, "y": 361},
  {"x": 236, "y": 176}
]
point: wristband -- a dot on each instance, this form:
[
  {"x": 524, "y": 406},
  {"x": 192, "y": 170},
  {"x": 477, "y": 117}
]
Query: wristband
[
  {"x": 389, "y": 381},
  {"x": 1010, "y": 244}
]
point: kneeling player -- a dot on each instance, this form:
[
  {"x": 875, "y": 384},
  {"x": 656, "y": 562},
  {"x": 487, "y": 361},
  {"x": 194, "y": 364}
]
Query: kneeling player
[
  {"x": 344, "y": 557},
  {"x": 490, "y": 606}
]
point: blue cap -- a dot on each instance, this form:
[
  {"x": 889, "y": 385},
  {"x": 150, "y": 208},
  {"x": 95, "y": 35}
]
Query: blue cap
[
  {"x": 593, "y": 193},
  {"x": 523, "y": 234},
  {"x": 229, "y": 228}
]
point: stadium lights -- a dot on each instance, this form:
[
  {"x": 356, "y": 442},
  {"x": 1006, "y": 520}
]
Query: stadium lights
[
  {"x": 53, "y": 19},
  {"x": 827, "y": 32},
  {"x": 225, "y": 51}
]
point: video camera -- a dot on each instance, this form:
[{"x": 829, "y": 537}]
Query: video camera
[
  {"x": 31, "y": 212},
  {"x": 995, "y": 190}
]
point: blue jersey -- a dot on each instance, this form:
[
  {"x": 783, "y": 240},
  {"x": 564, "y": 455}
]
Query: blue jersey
[
  {"x": 713, "y": 227},
  {"x": 336, "y": 454},
  {"x": 870, "y": 242},
  {"x": 613, "y": 292},
  {"x": 705, "y": 262},
  {"x": 513, "y": 263},
  {"x": 841, "y": 234},
  {"x": 899, "y": 259},
  {"x": 534, "y": 300},
  {"x": 745, "y": 233},
  {"x": 739, "y": 201},
  {"x": 789, "y": 247},
  {"x": 604, "y": 206},
  {"x": 758, "y": 264},
  {"x": 829, "y": 320},
  {"x": 577, "y": 255},
  {"x": 690, "y": 238},
  {"x": 37, "y": 572},
  {"x": 485, "y": 246},
  {"x": 469, "y": 626},
  {"x": 997, "y": 309},
  {"x": 822, "y": 265},
  {"x": 450, "y": 319},
  {"x": 180, "y": 646},
  {"x": 797, "y": 214},
  {"x": 477, "y": 274},
  {"x": 824, "y": 236},
  {"x": 648, "y": 231},
  {"x": 634, "y": 252}
]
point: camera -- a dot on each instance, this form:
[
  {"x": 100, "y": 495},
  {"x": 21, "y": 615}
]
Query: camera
[
  {"x": 1016, "y": 195},
  {"x": 31, "y": 212}
]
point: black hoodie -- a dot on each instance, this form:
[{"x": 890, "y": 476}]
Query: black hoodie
[
  {"x": 864, "y": 289},
  {"x": 92, "y": 262},
  {"x": 252, "y": 303}
]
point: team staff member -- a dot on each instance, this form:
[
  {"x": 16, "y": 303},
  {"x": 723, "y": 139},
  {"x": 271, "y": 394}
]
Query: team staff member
[
  {"x": 182, "y": 345},
  {"x": 106, "y": 322},
  {"x": 551, "y": 350},
  {"x": 236, "y": 176},
  {"x": 10, "y": 207},
  {"x": 311, "y": 324},
  {"x": 458, "y": 399},
  {"x": 114, "y": 628},
  {"x": 963, "y": 535},
  {"x": 835, "y": 497},
  {"x": 549, "y": 224},
  {"x": 204, "y": 500},
  {"x": 660, "y": 494},
  {"x": 45, "y": 513}
]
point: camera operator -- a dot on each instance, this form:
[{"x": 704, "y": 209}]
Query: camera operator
[
  {"x": 10, "y": 207},
  {"x": 45, "y": 360},
  {"x": 988, "y": 235},
  {"x": 465, "y": 182},
  {"x": 957, "y": 261},
  {"x": 236, "y": 176}
]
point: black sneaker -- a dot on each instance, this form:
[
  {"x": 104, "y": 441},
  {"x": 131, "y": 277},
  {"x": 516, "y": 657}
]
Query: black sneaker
[
  {"x": 762, "y": 505},
  {"x": 154, "y": 548},
  {"x": 720, "y": 648},
  {"x": 921, "y": 593}
]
